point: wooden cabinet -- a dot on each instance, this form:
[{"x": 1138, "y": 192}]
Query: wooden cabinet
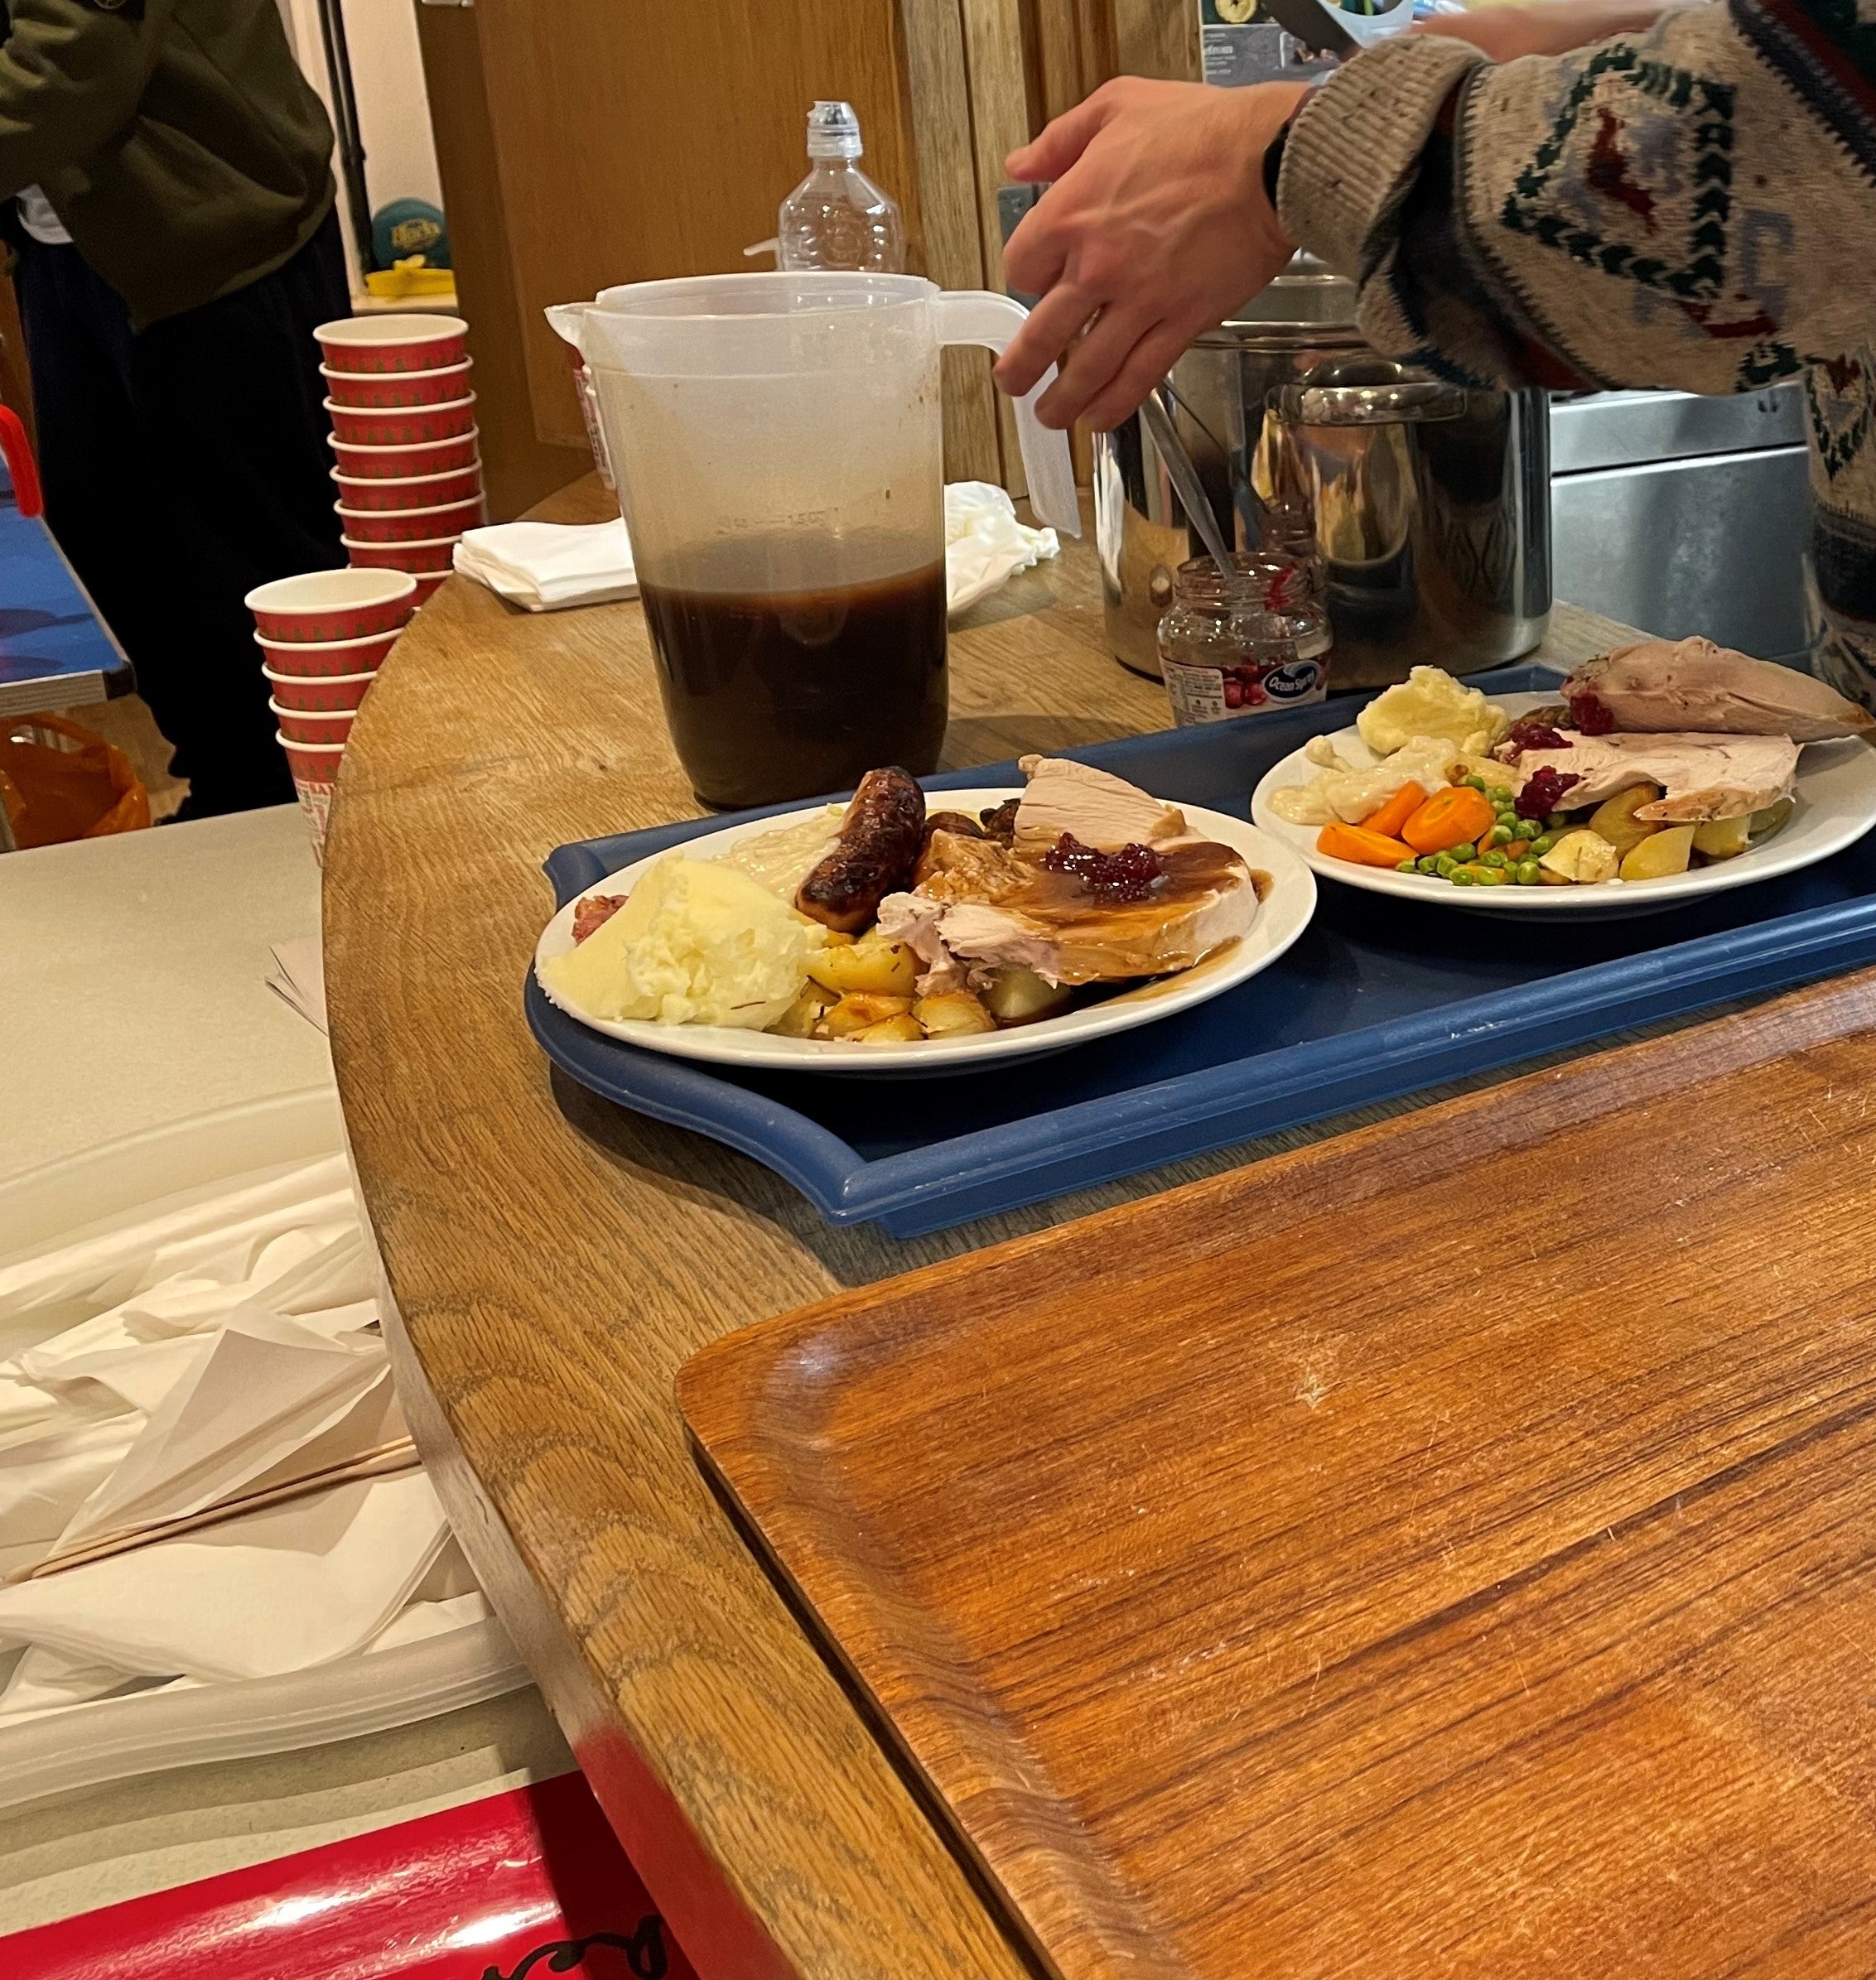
[{"x": 587, "y": 142}]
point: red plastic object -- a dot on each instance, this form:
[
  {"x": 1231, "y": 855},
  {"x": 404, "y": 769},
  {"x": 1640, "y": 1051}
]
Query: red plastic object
[
  {"x": 28, "y": 495},
  {"x": 522, "y": 1886}
]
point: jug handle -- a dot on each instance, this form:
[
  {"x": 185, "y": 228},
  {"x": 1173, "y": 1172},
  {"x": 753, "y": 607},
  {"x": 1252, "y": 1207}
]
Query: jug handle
[{"x": 981, "y": 316}]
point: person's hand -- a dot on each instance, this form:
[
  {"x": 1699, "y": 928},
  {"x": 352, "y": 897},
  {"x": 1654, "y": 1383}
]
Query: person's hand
[
  {"x": 1548, "y": 27},
  {"x": 1155, "y": 228}
]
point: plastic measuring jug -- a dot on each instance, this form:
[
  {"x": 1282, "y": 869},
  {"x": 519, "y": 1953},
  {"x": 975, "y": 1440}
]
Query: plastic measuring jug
[{"x": 778, "y": 450}]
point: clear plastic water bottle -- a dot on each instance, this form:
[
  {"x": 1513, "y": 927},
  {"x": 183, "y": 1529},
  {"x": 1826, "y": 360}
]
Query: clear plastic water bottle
[{"x": 837, "y": 217}]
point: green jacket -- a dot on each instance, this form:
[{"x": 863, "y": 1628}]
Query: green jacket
[{"x": 176, "y": 140}]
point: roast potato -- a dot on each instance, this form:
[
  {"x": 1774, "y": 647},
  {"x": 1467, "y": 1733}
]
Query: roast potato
[
  {"x": 1581, "y": 855},
  {"x": 1660, "y": 855},
  {"x": 1015, "y": 995},
  {"x": 1614, "y": 818},
  {"x": 870, "y": 967},
  {"x": 800, "y": 1017},
  {"x": 902, "y": 1030},
  {"x": 1723, "y": 838},
  {"x": 952, "y": 1014},
  {"x": 859, "y": 1010}
]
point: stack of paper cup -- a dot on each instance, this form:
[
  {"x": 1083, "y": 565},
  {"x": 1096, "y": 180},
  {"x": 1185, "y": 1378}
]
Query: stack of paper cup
[
  {"x": 322, "y": 638},
  {"x": 403, "y": 430}
]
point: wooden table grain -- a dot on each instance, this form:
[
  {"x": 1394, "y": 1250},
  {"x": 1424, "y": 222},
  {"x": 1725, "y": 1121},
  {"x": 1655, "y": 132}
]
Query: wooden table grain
[
  {"x": 552, "y": 1261},
  {"x": 1456, "y": 1557}
]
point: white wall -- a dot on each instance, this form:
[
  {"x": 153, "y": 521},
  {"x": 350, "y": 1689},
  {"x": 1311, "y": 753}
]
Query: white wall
[{"x": 400, "y": 156}]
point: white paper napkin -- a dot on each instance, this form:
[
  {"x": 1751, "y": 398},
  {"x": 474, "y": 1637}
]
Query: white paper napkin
[
  {"x": 985, "y": 546},
  {"x": 258, "y": 1409},
  {"x": 544, "y": 565},
  {"x": 277, "y": 1590}
]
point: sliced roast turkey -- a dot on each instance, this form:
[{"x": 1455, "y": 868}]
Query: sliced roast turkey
[
  {"x": 1667, "y": 687},
  {"x": 1701, "y": 777}
]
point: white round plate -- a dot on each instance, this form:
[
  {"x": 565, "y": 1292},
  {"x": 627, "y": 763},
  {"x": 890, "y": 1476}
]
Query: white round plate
[
  {"x": 1836, "y": 805},
  {"x": 1283, "y": 917}
]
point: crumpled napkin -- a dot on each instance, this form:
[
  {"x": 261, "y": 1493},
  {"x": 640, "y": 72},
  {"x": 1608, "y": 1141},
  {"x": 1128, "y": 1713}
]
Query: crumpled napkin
[
  {"x": 985, "y": 546},
  {"x": 544, "y": 565},
  {"x": 217, "y": 1344},
  {"x": 273, "y": 1591}
]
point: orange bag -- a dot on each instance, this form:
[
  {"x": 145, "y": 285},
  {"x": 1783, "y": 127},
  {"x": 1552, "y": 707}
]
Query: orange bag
[{"x": 59, "y": 781}]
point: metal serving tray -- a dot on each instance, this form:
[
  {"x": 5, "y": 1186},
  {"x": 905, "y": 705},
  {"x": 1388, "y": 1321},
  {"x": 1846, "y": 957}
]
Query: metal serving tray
[{"x": 1380, "y": 998}]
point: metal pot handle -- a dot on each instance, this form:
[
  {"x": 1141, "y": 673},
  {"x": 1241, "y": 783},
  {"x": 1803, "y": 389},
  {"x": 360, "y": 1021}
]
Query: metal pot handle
[{"x": 1408, "y": 403}]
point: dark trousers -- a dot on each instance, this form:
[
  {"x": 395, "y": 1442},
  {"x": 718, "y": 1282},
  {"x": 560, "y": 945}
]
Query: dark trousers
[{"x": 184, "y": 464}]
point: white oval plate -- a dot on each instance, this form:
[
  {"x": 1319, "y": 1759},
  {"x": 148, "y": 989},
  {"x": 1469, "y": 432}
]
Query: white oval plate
[
  {"x": 1836, "y": 795},
  {"x": 1283, "y": 917}
]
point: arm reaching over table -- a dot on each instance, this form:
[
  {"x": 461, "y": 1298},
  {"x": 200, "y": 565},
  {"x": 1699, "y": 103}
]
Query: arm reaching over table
[{"x": 1686, "y": 204}]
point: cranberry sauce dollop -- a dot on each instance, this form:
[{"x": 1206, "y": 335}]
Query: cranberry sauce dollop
[{"x": 1130, "y": 874}]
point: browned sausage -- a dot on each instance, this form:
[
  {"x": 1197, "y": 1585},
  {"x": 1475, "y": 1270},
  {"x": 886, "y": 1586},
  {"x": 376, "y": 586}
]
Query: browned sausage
[{"x": 879, "y": 842}]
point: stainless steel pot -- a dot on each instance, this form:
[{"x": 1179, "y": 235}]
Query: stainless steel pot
[{"x": 1428, "y": 504}]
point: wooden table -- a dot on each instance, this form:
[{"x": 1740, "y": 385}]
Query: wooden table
[{"x": 554, "y": 1262}]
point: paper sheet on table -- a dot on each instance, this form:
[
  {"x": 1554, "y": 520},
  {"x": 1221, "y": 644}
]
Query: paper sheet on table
[
  {"x": 273, "y": 1591},
  {"x": 300, "y": 978},
  {"x": 140, "y": 1249}
]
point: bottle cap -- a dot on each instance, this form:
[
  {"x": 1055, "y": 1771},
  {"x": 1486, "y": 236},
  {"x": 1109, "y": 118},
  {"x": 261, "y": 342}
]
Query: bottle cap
[{"x": 833, "y": 131}]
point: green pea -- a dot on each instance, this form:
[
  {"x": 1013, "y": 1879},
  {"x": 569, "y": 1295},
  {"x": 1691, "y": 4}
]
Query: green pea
[
  {"x": 1501, "y": 835},
  {"x": 1491, "y": 857},
  {"x": 1464, "y": 853},
  {"x": 1489, "y": 876},
  {"x": 1556, "y": 822},
  {"x": 1542, "y": 844},
  {"x": 1472, "y": 784},
  {"x": 1431, "y": 863},
  {"x": 1462, "y": 876},
  {"x": 1407, "y": 866},
  {"x": 1444, "y": 865},
  {"x": 1527, "y": 873}
]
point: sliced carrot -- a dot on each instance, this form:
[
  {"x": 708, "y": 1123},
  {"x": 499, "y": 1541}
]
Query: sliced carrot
[
  {"x": 1395, "y": 812},
  {"x": 1457, "y": 816},
  {"x": 1358, "y": 843},
  {"x": 1517, "y": 848}
]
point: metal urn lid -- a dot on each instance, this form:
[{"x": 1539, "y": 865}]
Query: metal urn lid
[{"x": 1308, "y": 295}]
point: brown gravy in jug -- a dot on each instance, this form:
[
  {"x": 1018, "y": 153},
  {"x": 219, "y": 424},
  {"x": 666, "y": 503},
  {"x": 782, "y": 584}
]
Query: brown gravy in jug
[{"x": 787, "y": 693}]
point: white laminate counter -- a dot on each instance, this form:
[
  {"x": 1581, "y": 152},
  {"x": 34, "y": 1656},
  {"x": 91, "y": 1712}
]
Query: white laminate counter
[{"x": 133, "y": 993}]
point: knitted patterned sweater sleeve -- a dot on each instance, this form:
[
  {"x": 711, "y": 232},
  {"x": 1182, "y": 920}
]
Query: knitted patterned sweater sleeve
[{"x": 1693, "y": 207}]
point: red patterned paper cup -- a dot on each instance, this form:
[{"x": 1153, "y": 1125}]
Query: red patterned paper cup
[
  {"x": 421, "y": 491},
  {"x": 319, "y": 694},
  {"x": 405, "y": 427},
  {"x": 302, "y": 725},
  {"x": 332, "y": 659},
  {"x": 410, "y": 525},
  {"x": 428, "y": 587},
  {"x": 425, "y": 559},
  {"x": 403, "y": 464},
  {"x": 321, "y": 607},
  {"x": 411, "y": 342},
  {"x": 386, "y": 389},
  {"x": 315, "y": 763}
]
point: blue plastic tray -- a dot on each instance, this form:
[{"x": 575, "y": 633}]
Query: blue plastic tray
[{"x": 1380, "y": 998}]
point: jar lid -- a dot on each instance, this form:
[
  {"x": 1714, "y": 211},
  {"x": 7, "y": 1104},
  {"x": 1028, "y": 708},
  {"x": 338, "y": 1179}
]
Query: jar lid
[{"x": 1309, "y": 294}]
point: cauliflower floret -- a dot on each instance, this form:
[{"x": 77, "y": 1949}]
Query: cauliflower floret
[{"x": 1351, "y": 793}]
